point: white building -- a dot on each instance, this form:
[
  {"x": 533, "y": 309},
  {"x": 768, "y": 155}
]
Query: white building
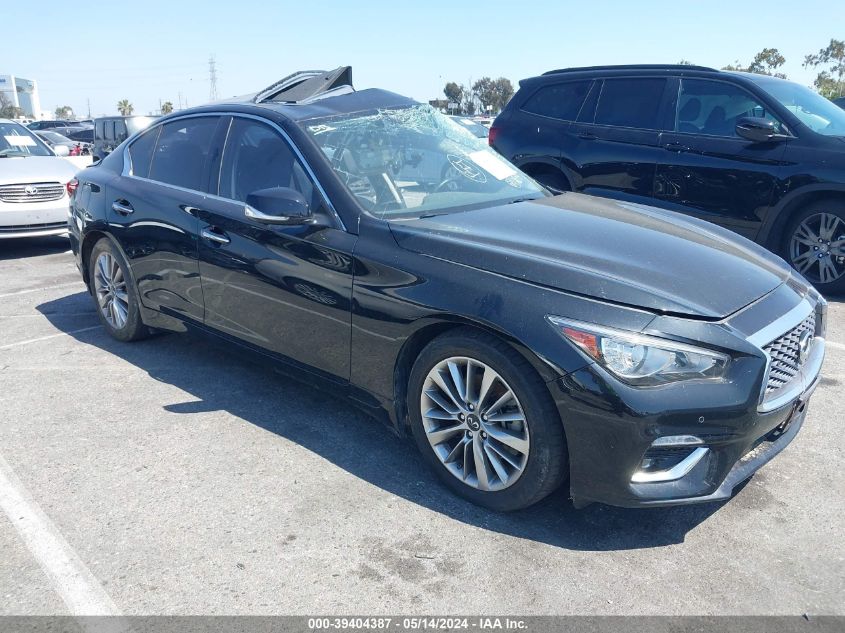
[{"x": 22, "y": 93}]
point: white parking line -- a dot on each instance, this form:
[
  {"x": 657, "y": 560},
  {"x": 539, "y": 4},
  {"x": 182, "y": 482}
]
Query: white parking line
[
  {"x": 30, "y": 290},
  {"x": 73, "y": 581},
  {"x": 835, "y": 345},
  {"x": 44, "y": 338}
]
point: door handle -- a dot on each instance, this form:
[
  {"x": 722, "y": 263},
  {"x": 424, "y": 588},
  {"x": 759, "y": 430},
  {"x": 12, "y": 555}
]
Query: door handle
[
  {"x": 676, "y": 147},
  {"x": 212, "y": 235},
  {"x": 587, "y": 136},
  {"x": 122, "y": 207}
]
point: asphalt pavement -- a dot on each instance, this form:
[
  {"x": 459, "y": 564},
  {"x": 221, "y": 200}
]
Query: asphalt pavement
[{"x": 180, "y": 476}]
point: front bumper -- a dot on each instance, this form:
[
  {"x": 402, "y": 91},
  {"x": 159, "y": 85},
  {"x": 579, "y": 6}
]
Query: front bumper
[
  {"x": 39, "y": 219},
  {"x": 608, "y": 436}
]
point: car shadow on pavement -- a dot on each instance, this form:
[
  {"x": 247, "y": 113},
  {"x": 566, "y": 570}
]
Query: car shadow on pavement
[
  {"x": 337, "y": 431},
  {"x": 33, "y": 247}
]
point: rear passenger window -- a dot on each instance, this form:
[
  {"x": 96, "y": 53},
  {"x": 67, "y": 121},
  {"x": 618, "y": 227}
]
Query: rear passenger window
[
  {"x": 108, "y": 130},
  {"x": 98, "y": 130},
  {"x": 141, "y": 153},
  {"x": 560, "y": 101},
  {"x": 631, "y": 103},
  {"x": 181, "y": 151}
]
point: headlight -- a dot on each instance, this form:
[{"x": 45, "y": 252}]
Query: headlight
[{"x": 642, "y": 360}]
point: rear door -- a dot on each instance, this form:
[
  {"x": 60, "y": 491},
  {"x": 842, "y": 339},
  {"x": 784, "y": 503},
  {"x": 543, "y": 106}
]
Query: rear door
[
  {"x": 707, "y": 170},
  {"x": 285, "y": 289},
  {"x": 541, "y": 130},
  {"x": 615, "y": 149},
  {"x": 154, "y": 212}
]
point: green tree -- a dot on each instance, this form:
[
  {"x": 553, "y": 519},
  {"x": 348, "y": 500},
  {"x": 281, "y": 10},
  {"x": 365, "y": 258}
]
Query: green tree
[
  {"x": 8, "y": 110},
  {"x": 167, "y": 107},
  {"x": 485, "y": 91},
  {"x": 64, "y": 112},
  {"x": 830, "y": 81},
  {"x": 504, "y": 92},
  {"x": 766, "y": 62},
  {"x": 124, "y": 107},
  {"x": 454, "y": 93}
]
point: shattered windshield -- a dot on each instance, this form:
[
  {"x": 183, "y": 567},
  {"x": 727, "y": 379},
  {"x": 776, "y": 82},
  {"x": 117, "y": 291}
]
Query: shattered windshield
[{"x": 414, "y": 161}]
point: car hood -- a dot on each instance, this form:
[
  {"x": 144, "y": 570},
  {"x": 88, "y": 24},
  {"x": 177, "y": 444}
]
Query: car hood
[
  {"x": 614, "y": 251},
  {"x": 35, "y": 169}
]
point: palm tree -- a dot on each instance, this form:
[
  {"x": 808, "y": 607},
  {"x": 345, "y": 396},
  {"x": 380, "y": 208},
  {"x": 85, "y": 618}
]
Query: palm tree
[
  {"x": 167, "y": 107},
  {"x": 124, "y": 107}
]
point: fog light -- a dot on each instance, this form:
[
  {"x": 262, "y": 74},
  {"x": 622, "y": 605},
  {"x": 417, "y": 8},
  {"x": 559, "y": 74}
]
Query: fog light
[{"x": 670, "y": 458}]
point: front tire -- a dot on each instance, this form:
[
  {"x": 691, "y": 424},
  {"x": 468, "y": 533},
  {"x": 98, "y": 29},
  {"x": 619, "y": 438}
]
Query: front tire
[
  {"x": 114, "y": 293},
  {"x": 815, "y": 245},
  {"x": 485, "y": 421}
]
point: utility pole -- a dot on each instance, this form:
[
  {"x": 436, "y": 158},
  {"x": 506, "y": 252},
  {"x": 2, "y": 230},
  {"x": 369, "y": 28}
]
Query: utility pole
[
  {"x": 212, "y": 79},
  {"x": 89, "y": 108}
]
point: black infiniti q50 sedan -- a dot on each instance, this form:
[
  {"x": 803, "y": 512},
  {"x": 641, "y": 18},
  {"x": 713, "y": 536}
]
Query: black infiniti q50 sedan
[{"x": 524, "y": 340}]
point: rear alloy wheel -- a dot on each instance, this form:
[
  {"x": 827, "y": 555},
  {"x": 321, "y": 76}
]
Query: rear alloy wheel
[
  {"x": 816, "y": 247},
  {"x": 485, "y": 421},
  {"x": 111, "y": 285}
]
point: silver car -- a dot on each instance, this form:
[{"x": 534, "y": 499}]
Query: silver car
[{"x": 34, "y": 184}]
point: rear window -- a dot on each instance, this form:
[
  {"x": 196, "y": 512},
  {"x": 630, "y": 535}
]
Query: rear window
[
  {"x": 141, "y": 153},
  {"x": 631, "y": 103},
  {"x": 559, "y": 101}
]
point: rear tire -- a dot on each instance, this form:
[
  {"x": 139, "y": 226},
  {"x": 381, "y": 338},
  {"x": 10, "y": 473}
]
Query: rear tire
[
  {"x": 814, "y": 245},
  {"x": 498, "y": 451},
  {"x": 114, "y": 293}
]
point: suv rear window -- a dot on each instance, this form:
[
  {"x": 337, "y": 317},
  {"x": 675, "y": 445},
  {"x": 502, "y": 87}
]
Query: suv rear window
[
  {"x": 559, "y": 101},
  {"x": 631, "y": 103}
]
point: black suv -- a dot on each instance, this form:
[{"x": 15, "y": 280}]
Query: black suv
[
  {"x": 759, "y": 155},
  {"x": 523, "y": 338}
]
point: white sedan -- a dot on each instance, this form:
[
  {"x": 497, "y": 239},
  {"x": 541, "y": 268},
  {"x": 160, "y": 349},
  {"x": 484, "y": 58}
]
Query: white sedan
[{"x": 35, "y": 184}]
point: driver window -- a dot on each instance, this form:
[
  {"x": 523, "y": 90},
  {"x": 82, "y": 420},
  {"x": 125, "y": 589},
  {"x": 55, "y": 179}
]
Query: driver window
[
  {"x": 257, "y": 157},
  {"x": 713, "y": 108}
]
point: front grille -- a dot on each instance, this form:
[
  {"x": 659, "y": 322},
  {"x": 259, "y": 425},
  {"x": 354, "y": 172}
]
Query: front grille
[
  {"x": 20, "y": 228},
  {"x": 32, "y": 192},
  {"x": 785, "y": 354}
]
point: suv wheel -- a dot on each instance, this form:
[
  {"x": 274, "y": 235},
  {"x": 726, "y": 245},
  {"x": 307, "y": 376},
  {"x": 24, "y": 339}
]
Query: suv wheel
[
  {"x": 117, "y": 301},
  {"x": 485, "y": 421},
  {"x": 815, "y": 245}
]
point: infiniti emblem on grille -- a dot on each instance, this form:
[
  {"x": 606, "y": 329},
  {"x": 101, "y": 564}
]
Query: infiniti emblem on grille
[
  {"x": 804, "y": 345},
  {"x": 31, "y": 190}
]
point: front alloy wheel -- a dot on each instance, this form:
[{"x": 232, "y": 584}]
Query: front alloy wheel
[
  {"x": 474, "y": 423},
  {"x": 817, "y": 248},
  {"x": 485, "y": 422}
]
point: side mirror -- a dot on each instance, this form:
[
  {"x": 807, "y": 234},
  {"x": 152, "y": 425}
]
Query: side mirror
[
  {"x": 278, "y": 205},
  {"x": 61, "y": 150},
  {"x": 757, "y": 130}
]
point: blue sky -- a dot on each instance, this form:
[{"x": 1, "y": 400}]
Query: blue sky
[{"x": 154, "y": 50}]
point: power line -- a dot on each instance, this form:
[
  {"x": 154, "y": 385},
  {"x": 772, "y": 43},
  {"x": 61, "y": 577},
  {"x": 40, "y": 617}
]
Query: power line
[{"x": 212, "y": 78}]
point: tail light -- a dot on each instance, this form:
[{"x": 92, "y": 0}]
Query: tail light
[
  {"x": 72, "y": 186},
  {"x": 491, "y": 136}
]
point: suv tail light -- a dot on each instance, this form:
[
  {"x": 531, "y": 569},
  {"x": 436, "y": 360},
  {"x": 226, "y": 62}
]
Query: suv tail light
[
  {"x": 491, "y": 136},
  {"x": 72, "y": 186}
]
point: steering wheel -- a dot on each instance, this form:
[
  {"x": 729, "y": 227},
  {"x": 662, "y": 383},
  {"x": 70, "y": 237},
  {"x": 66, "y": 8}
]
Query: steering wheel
[{"x": 444, "y": 185}]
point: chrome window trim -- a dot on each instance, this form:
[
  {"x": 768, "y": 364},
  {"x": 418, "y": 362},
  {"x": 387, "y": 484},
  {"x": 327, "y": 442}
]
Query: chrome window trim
[{"x": 127, "y": 161}]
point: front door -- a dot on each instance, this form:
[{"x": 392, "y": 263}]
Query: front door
[
  {"x": 285, "y": 289},
  {"x": 706, "y": 169}
]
